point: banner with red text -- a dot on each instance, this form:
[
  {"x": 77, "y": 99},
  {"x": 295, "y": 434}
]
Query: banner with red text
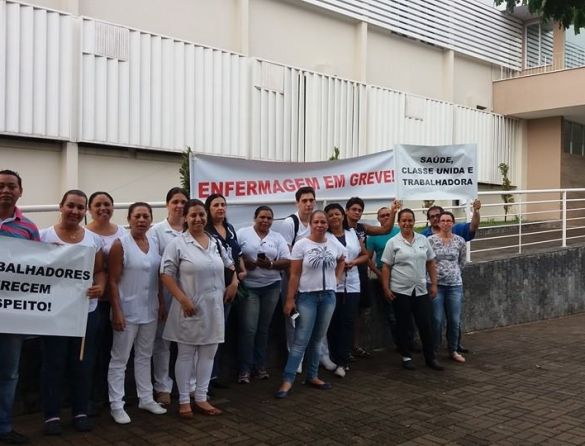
[
  {"x": 246, "y": 181},
  {"x": 436, "y": 172},
  {"x": 43, "y": 287}
]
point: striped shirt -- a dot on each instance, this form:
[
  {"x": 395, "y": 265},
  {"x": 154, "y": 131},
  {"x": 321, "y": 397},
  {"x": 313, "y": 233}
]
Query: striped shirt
[{"x": 19, "y": 227}]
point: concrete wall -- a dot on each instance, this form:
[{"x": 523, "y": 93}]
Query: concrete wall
[
  {"x": 403, "y": 64},
  {"x": 304, "y": 37},
  {"x": 524, "y": 288},
  {"x": 472, "y": 82}
]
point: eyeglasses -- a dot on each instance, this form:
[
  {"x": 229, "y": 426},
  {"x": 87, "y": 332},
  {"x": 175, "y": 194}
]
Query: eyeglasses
[{"x": 434, "y": 216}]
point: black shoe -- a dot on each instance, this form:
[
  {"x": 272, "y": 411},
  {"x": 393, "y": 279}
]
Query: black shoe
[
  {"x": 82, "y": 424},
  {"x": 408, "y": 365},
  {"x": 461, "y": 349},
  {"x": 434, "y": 364},
  {"x": 13, "y": 437},
  {"x": 52, "y": 427}
]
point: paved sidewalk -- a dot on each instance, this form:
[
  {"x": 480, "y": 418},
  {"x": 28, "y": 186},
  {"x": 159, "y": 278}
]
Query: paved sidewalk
[{"x": 522, "y": 385}]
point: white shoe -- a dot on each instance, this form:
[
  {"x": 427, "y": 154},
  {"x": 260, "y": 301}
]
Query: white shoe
[
  {"x": 152, "y": 407},
  {"x": 327, "y": 363},
  {"x": 120, "y": 416},
  {"x": 339, "y": 371}
]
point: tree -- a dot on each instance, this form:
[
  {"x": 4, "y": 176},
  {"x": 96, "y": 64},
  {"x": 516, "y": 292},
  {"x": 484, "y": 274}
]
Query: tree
[
  {"x": 566, "y": 12},
  {"x": 184, "y": 171},
  {"x": 506, "y": 185}
]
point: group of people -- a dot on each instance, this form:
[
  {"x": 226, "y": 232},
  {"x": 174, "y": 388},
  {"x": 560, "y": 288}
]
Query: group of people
[{"x": 176, "y": 281}]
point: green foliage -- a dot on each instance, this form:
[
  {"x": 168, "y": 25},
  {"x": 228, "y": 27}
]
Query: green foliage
[
  {"x": 184, "y": 170},
  {"x": 506, "y": 185},
  {"x": 335, "y": 155},
  {"x": 566, "y": 12}
]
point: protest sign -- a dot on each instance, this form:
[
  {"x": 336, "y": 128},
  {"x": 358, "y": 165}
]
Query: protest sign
[
  {"x": 250, "y": 181},
  {"x": 436, "y": 172},
  {"x": 43, "y": 287}
]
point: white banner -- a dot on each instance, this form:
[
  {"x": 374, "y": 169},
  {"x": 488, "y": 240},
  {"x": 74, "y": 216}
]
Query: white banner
[
  {"x": 436, "y": 172},
  {"x": 244, "y": 181},
  {"x": 43, "y": 287}
]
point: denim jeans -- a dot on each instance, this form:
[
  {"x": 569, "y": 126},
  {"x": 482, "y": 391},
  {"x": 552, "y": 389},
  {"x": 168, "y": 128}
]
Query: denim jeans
[
  {"x": 10, "y": 346},
  {"x": 255, "y": 313},
  {"x": 61, "y": 353},
  {"x": 447, "y": 303},
  {"x": 340, "y": 333},
  {"x": 315, "y": 311}
]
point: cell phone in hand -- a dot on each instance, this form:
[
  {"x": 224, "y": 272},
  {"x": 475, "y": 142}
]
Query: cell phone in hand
[
  {"x": 295, "y": 315},
  {"x": 261, "y": 255}
]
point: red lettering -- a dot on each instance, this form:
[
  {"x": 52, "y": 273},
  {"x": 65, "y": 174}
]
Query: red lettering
[
  {"x": 264, "y": 187},
  {"x": 203, "y": 189},
  {"x": 313, "y": 182},
  {"x": 240, "y": 188},
  {"x": 289, "y": 185},
  {"x": 353, "y": 179},
  {"x": 217, "y": 188},
  {"x": 276, "y": 187},
  {"x": 388, "y": 176},
  {"x": 251, "y": 190}
]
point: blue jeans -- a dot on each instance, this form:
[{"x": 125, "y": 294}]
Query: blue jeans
[
  {"x": 10, "y": 346},
  {"x": 447, "y": 303},
  {"x": 255, "y": 315},
  {"x": 61, "y": 353},
  {"x": 315, "y": 311}
]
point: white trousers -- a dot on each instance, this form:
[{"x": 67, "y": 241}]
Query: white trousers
[
  {"x": 199, "y": 357},
  {"x": 161, "y": 359},
  {"x": 141, "y": 337}
]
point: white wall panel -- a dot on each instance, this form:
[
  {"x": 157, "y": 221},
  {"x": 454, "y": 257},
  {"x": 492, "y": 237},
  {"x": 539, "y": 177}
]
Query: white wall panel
[
  {"x": 277, "y": 112},
  {"x": 385, "y": 118},
  {"x": 35, "y": 71},
  {"x": 162, "y": 93},
  {"x": 334, "y": 117},
  {"x": 496, "y": 138},
  {"x": 466, "y": 26}
]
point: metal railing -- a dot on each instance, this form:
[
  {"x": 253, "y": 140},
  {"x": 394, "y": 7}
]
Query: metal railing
[{"x": 535, "y": 220}]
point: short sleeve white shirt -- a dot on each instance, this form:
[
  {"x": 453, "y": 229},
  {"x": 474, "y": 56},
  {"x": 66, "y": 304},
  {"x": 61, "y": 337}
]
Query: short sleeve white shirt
[
  {"x": 408, "y": 263},
  {"x": 275, "y": 248},
  {"x": 287, "y": 229},
  {"x": 90, "y": 239},
  {"x": 351, "y": 280},
  {"x": 319, "y": 264}
]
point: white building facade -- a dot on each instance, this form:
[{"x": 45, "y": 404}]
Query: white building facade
[{"x": 105, "y": 95}]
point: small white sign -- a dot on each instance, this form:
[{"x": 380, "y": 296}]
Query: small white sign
[
  {"x": 43, "y": 287},
  {"x": 436, "y": 172}
]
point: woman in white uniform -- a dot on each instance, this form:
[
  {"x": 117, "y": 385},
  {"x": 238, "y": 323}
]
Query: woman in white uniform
[
  {"x": 341, "y": 328},
  {"x": 192, "y": 269},
  {"x": 135, "y": 299},
  {"x": 163, "y": 233},
  {"x": 101, "y": 209}
]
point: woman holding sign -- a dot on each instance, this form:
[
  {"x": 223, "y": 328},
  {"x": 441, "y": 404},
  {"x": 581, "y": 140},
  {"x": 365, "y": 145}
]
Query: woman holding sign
[
  {"x": 136, "y": 304},
  {"x": 192, "y": 269},
  {"x": 62, "y": 352}
]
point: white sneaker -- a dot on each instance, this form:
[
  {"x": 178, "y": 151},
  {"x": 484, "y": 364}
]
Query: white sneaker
[
  {"x": 152, "y": 407},
  {"x": 327, "y": 363},
  {"x": 120, "y": 416},
  {"x": 339, "y": 371}
]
